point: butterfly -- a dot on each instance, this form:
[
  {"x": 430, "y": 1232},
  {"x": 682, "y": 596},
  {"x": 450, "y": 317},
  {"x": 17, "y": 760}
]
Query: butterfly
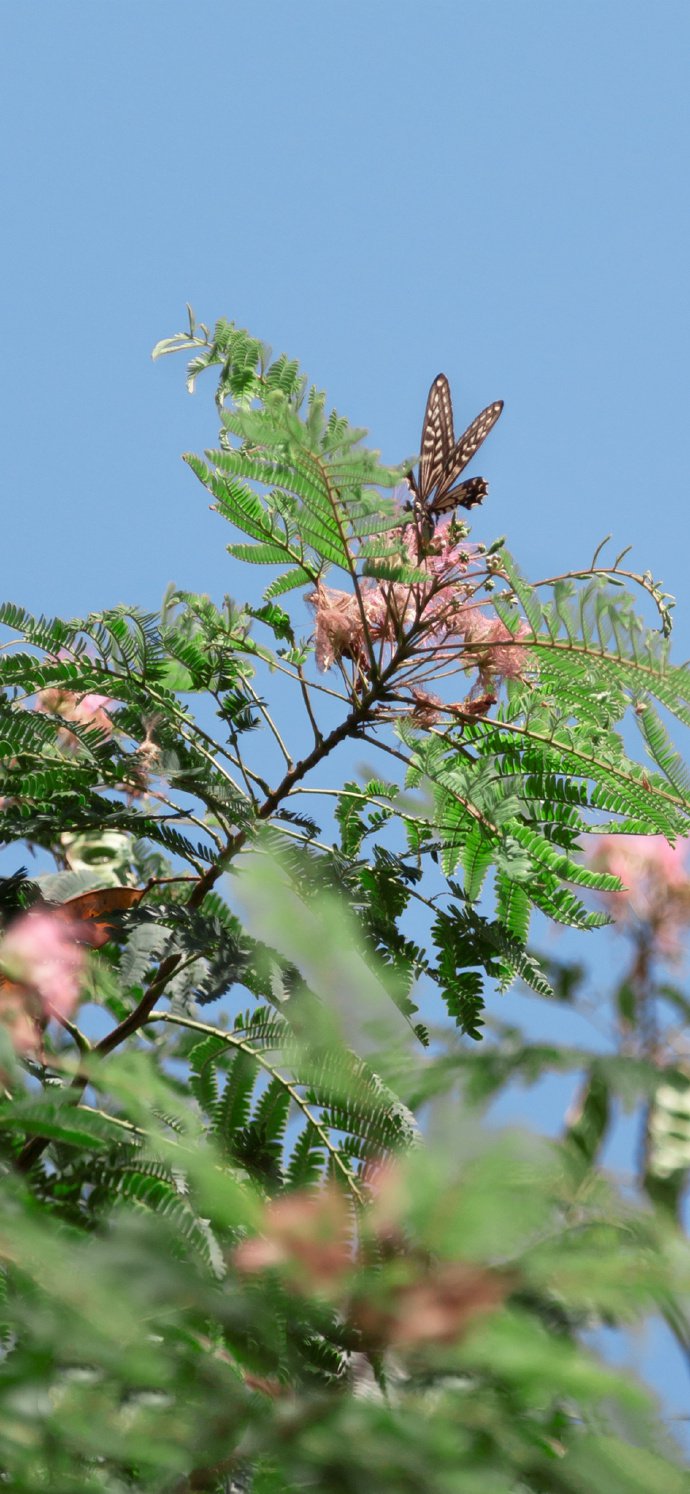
[{"x": 436, "y": 490}]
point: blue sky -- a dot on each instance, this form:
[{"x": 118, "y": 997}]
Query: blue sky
[{"x": 383, "y": 190}]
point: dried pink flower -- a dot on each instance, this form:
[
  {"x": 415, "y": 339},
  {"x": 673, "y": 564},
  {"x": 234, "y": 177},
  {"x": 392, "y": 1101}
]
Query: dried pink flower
[
  {"x": 474, "y": 705},
  {"x": 426, "y": 707}
]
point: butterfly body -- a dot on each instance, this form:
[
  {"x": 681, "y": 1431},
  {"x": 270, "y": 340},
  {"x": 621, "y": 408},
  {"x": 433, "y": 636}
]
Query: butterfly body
[{"x": 437, "y": 490}]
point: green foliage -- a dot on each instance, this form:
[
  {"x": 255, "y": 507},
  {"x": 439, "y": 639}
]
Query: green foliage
[
  {"x": 273, "y": 1251},
  {"x": 151, "y": 1353}
]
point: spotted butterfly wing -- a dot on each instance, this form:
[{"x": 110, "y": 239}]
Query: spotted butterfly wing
[
  {"x": 443, "y": 459},
  {"x": 466, "y": 495},
  {"x": 438, "y": 439},
  {"x": 462, "y": 453}
]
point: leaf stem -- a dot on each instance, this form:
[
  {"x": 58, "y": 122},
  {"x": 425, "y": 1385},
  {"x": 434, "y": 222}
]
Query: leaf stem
[{"x": 233, "y": 1040}]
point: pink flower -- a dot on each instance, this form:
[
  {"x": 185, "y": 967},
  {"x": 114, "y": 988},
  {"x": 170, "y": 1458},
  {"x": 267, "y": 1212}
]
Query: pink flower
[
  {"x": 39, "y": 953},
  {"x": 448, "y": 556},
  {"x": 494, "y": 649},
  {"x": 85, "y": 710},
  {"x": 307, "y": 1235},
  {"x": 339, "y": 629},
  {"x": 656, "y": 886},
  {"x": 93, "y": 708},
  {"x": 438, "y": 600},
  {"x": 429, "y": 612}
]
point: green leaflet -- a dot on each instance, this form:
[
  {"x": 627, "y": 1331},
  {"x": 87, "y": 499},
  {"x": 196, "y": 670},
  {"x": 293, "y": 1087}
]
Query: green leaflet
[
  {"x": 513, "y": 907},
  {"x": 289, "y": 581},
  {"x": 662, "y": 750},
  {"x": 58, "y": 1116},
  {"x": 261, "y": 554},
  {"x": 553, "y": 859},
  {"x": 477, "y": 856}
]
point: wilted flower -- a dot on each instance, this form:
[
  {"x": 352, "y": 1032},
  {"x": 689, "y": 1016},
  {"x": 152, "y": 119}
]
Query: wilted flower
[
  {"x": 144, "y": 763},
  {"x": 426, "y": 707},
  {"x": 475, "y": 706},
  {"x": 656, "y": 887}
]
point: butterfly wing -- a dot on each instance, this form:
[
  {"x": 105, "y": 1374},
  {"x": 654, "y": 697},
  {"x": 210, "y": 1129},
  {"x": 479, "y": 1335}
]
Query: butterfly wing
[
  {"x": 464, "y": 449},
  {"x": 466, "y": 495},
  {"x": 437, "y": 437}
]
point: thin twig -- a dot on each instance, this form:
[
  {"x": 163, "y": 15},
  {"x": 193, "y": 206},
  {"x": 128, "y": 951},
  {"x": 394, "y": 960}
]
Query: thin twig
[
  {"x": 269, "y": 722},
  {"x": 318, "y": 735}
]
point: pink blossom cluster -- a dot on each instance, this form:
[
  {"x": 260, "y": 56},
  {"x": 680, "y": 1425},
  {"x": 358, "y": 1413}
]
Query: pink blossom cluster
[
  {"x": 452, "y": 630},
  {"x": 655, "y": 895},
  {"x": 87, "y": 709},
  {"x": 84, "y": 710},
  {"x": 41, "y": 970},
  {"x": 339, "y": 627}
]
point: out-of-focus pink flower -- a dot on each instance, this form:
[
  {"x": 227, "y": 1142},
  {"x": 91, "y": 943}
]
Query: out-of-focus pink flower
[
  {"x": 40, "y": 954},
  {"x": 656, "y": 886},
  {"x": 424, "y": 1301},
  {"x": 85, "y": 710},
  {"x": 307, "y": 1235},
  {"x": 438, "y": 1304}
]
